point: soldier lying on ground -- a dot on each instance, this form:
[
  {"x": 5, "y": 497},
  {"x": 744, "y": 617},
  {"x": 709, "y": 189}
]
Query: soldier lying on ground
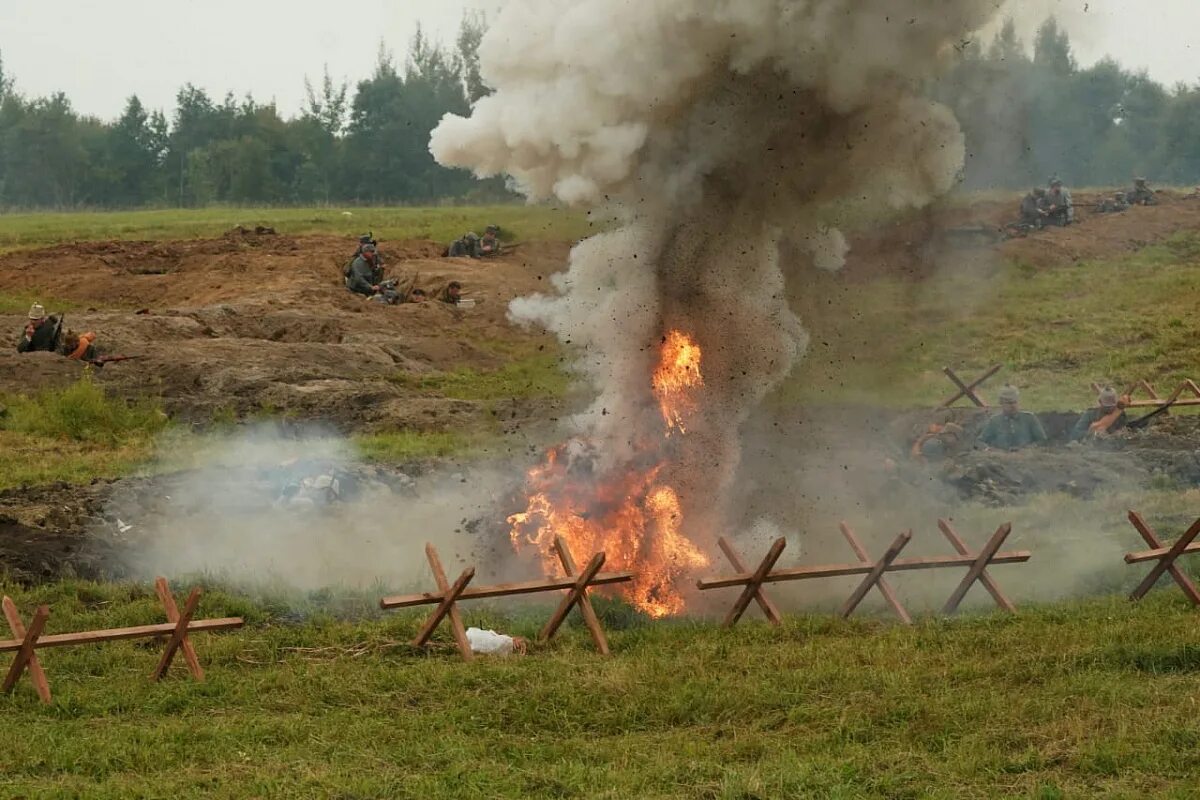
[
  {"x": 417, "y": 296},
  {"x": 79, "y": 346},
  {"x": 1060, "y": 210},
  {"x": 489, "y": 245},
  {"x": 41, "y": 332},
  {"x": 1116, "y": 204},
  {"x": 1141, "y": 195},
  {"x": 451, "y": 294},
  {"x": 1107, "y": 417},
  {"x": 936, "y": 442},
  {"x": 1012, "y": 428}
]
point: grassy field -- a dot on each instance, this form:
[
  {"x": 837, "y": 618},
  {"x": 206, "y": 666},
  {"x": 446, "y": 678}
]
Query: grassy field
[
  {"x": 520, "y": 223},
  {"x": 1074, "y": 701},
  {"x": 1056, "y": 331}
]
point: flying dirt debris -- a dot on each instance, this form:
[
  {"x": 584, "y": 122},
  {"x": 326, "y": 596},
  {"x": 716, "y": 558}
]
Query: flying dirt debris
[{"x": 708, "y": 129}]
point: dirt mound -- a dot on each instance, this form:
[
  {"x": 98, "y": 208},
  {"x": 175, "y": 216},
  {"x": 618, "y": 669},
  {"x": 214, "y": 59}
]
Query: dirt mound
[
  {"x": 255, "y": 320},
  {"x": 916, "y": 246}
]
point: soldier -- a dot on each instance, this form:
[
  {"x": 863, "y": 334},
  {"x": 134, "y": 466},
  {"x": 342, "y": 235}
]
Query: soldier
[
  {"x": 937, "y": 441},
  {"x": 365, "y": 275},
  {"x": 1116, "y": 204},
  {"x": 417, "y": 296},
  {"x": 489, "y": 245},
  {"x": 1033, "y": 210},
  {"x": 41, "y": 332},
  {"x": 1107, "y": 417},
  {"x": 1142, "y": 195},
  {"x": 467, "y": 246},
  {"x": 451, "y": 294},
  {"x": 1060, "y": 210},
  {"x": 1012, "y": 428}
]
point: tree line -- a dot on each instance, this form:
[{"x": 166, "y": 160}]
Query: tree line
[
  {"x": 1027, "y": 113},
  {"x": 368, "y": 146},
  {"x": 1028, "y": 116}
]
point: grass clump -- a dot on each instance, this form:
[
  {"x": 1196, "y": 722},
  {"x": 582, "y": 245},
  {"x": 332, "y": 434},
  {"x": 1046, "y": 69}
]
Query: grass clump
[
  {"x": 401, "y": 446},
  {"x": 539, "y": 376},
  {"x": 83, "y": 412}
]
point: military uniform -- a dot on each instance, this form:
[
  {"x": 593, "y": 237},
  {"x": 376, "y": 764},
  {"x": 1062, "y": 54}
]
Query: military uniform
[
  {"x": 1084, "y": 424},
  {"x": 1031, "y": 209},
  {"x": 1141, "y": 194},
  {"x": 1116, "y": 204},
  {"x": 467, "y": 246},
  {"x": 42, "y": 339},
  {"x": 363, "y": 276},
  {"x": 489, "y": 245},
  {"x": 1061, "y": 209},
  {"x": 1005, "y": 432}
]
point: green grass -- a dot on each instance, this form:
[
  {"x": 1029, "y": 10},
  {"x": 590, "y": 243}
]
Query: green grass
[
  {"x": 19, "y": 303},
  {"x": 519, "y": 223},
  {"x": 1055, "y": 330},
  {"x": 1082, "y": 700},
  {"x": 399, "y": 447}
]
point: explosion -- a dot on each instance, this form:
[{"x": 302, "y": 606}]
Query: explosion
[{"x": 712, "y": 131}]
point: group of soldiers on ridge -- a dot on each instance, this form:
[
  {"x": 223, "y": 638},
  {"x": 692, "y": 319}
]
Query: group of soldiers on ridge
[{"x": 1053, "y": 207}]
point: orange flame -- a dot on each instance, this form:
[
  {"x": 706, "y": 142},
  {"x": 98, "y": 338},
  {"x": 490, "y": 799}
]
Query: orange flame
[
  {"x": 676, "y": 378},
  {"x": 634, "y": 518}
]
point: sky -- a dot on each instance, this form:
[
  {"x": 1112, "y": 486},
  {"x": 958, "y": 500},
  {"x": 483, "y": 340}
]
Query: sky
[{"x": 100, "y": 51}]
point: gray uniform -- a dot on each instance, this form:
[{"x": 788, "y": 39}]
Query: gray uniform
[
  {"x": 363, "y": 275},
  {"x": 1061, "y": 209}
]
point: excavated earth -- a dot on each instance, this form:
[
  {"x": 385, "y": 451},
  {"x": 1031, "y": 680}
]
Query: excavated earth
[{"x": 252, "y": 324}]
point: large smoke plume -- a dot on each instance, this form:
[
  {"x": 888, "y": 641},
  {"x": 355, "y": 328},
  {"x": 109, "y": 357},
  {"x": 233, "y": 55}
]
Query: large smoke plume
[{"x": 714, "y": 130}]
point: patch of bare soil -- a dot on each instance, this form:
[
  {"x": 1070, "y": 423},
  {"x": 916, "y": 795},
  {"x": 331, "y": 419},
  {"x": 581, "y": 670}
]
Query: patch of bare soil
[{"x": 260, "y": 321}]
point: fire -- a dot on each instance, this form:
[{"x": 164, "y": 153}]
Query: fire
[
  {"x": 634, "y": 517},
  {"x": 676, "y": 379}
]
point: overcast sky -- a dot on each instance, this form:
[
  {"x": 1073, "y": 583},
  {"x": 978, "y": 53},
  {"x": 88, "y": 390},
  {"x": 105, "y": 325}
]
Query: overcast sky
[{"x": 101, "y": 51}]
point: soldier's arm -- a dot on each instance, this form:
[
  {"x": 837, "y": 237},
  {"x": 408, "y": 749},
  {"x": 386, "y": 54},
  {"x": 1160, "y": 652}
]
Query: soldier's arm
[
  {"x": 1036, "y": 431},
  {"x": 1082, "y": 426}
]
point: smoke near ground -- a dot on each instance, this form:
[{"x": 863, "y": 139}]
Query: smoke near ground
[{"x": 713, "y": 130}]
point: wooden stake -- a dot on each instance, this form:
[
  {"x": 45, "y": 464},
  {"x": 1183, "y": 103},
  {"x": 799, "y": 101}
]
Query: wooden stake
[
  {"x": 753, "y": 587},
  {"x": 1166, "y": 562},
  {"x": 501, "y": 590},
  {"x": 163, "y": 590},
  {"x": 885, "y": 588},
  {"x": 456, "y": 623},
  {"x": 1185, "y": 583},
  {"x": 765, "y": 603},
  {"x": 576, "y": 591},
  {"x": 120, "y": 634},
  {"x": 443, "y": 609},
  {"x": 984, "y": 578},
  {"x": 876, "y": 573},
  {"x": 178, "y": 635},
  {"x": 25, "y": 653},
  {"x": 981, "y": 562},
  {"x": 585, "y": 603},
  {"x": 36, "y": 673},
  {"x": 968, "y": 391}
]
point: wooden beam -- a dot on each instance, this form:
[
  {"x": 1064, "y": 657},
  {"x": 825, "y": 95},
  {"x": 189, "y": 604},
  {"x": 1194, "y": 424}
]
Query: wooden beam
[
  {"x": 961, "y": 547},
  {"x": 456, "y": 623},
  {"x": 585, "y": 603},
  {"x": 163, "y": 590},
  {"x": 443, "y": 607},
  {"x": 25, "y": 651},
  {"x": 178, "y": 635},
  {"x": 1166, "y": 562},
  {"x": 755, "y": 584},
  {"x": 839, "y": 570},
  {"x": 36, "y": 673},
  {"x": 118, "y": 634},
  {"x": 765, "y": 603},
  {"x": 885, "y": 588},
  {"x": 573, "y": 595},
  {"x": 965, "y": 390},
  {"x": 1184, "y": 582},
  {"x": 1140, "y": 556},
  {"x": 502, "y": 590},
  {"x": 977, "y": 567},
  {"x": 877, "y": 570}
]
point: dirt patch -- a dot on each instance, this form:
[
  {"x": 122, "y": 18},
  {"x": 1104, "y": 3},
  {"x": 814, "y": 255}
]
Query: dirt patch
[{"x": 258, "y": 321}]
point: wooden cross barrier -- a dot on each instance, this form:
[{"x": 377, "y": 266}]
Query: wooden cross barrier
[
  {"x": 448, "y": 595},
  {"x": 977, "y": 564},
  {"x": 1152, "y": 399},
  {"x": 1165, "y": 556},
  {"x": 176, "y": 629},
  {"x": 968, "y": 390}
]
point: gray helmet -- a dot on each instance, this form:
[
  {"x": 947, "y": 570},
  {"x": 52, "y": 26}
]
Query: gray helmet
[
  {"x": 493, "y": 229},
  {"x": 1009, "y": 394},
  {"x": 1108, "y": 398},
  {"x": 1139, "y": 181},
  {"x": 471, "y": 237},
  {"x": 1055, "y": 181}
]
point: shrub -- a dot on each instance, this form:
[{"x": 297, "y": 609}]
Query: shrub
[{"x": 83, "y": 412}]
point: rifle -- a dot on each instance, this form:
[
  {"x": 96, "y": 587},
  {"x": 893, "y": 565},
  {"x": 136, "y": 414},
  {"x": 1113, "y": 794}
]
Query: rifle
[
  {"x": 58, "y": 332},
  {"x": 1141, "y": 422}
]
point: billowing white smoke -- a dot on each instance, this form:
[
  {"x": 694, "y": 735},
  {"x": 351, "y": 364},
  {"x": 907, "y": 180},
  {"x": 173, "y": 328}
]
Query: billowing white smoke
[{"x": 713, "y": 129}]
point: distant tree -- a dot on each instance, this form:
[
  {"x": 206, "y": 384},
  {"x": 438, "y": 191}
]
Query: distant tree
[
  {"x": 137, "y": 145},
  {"x": 6, "y": 82},
  {"x": 1052, "y": 49},
  {"x": 470, "y": 34}
]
